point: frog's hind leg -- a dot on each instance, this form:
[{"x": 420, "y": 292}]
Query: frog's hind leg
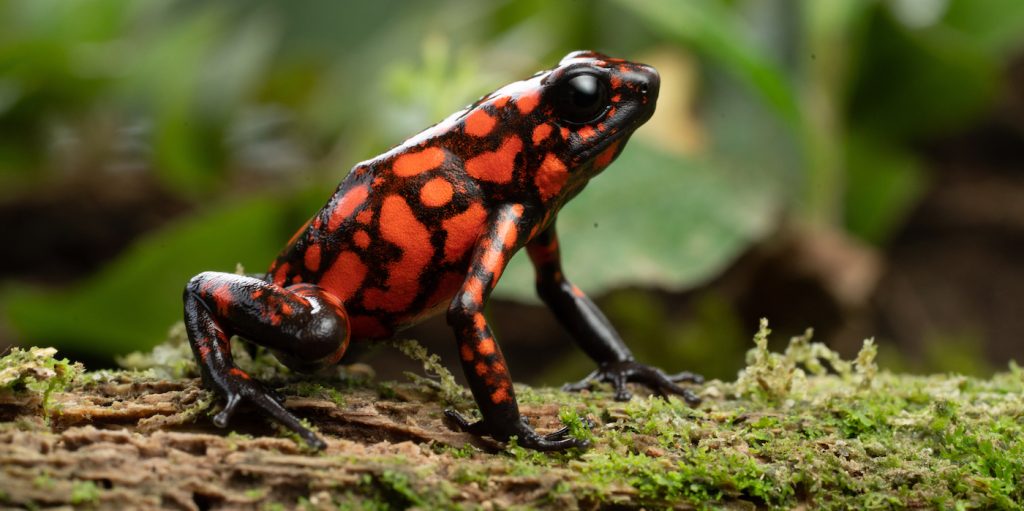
[{"x": 305, "y": 325}]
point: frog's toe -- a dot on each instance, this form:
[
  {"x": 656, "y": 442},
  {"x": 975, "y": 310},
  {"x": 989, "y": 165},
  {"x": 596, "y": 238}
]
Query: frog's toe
[
  {"x": 275, "y": 395},
  {"x": 546, "y": 444},
  {"x": 223, "y": 417},
  {"x": 524, "y": 434},
  {"x": 618, "y": 379},
  {"x": 583, "y": 384},
  {"x": 564, "y": 431},
  {"x": 687, "y": 377},
  {"x": 663, "y": 384},
  {"x": 619, "y": 383},
  {"x": 463, "y": 424},
  {"x": 237, "y": 388},
  {"x": 619, "y": 374}
]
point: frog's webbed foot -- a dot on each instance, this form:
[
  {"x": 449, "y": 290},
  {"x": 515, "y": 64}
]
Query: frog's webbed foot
[
  {"x": 621, "y": 373},
  {"x": 237, "y": 386},
  {"x": 525, "y": 435}
]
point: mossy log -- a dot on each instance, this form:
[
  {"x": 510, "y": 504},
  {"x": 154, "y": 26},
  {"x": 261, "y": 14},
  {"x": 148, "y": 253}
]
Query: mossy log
[{"x": 779, "y": 437}]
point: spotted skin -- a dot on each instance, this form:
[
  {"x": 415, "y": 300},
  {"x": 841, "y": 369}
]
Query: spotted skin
[{"x": 430, "y": 226}]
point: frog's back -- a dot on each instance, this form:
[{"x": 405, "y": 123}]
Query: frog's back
[{"x": 394, "y": 241}]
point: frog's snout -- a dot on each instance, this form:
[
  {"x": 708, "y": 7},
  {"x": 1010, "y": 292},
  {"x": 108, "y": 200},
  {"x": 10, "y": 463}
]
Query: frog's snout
[{"x": 649, "y": 81}]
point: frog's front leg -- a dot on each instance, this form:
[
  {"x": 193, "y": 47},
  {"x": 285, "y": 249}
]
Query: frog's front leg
[
  {"x": 304, "y": 325},
  {"x": 482, "y": 361},
  {"x": 592, "y": 331}
]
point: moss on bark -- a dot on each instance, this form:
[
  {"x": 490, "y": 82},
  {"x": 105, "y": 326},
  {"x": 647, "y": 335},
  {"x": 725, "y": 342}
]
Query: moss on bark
[{"x": 799, "y": 428}]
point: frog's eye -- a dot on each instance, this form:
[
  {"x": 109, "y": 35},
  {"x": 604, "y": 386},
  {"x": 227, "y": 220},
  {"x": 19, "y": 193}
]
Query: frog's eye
[{"x": 581, "y": 99}]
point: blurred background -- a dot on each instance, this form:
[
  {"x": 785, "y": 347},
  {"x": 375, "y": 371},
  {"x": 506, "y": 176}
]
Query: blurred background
[{"x": 854, "y": 166}]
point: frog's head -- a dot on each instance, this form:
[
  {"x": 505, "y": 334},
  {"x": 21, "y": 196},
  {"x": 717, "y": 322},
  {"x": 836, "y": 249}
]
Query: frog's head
[
  {"x": 600, "y": 101},
  {"x": 572, "y": 120}
]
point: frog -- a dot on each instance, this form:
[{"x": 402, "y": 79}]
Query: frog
[{"x": 428, "y": 227}]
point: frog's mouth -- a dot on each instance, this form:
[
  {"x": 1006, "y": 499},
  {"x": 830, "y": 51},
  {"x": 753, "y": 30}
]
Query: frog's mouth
[{"x": 620, "y": 137}]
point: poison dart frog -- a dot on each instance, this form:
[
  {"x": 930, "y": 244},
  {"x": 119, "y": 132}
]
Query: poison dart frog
[{"x": 429, "y": 226}]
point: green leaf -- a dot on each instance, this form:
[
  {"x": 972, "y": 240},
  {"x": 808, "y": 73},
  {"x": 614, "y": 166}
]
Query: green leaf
[
  {"x": 919, "y": 82},
  {"x": 137, "y": 297},
  {"x": 712, "y": 28},
  {"x": 996, "y": 25},
  {"x": 883, "y": 182},
  {"x": 655, "y": 219}
]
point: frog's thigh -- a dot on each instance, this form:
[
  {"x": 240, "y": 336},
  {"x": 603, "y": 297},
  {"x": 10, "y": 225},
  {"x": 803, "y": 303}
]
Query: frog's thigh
[{"x": 303, "y": 324}]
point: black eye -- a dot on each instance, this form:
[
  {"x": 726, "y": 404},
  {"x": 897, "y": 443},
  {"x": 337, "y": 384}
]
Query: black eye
[{"x": 581, "y": 99}]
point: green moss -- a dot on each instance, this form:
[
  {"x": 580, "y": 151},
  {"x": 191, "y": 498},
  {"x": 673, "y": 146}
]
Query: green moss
[
  {"x": 798, "y": 428},
  {"x": 173, "y": 358},
  {"x": 465, "y": 452},
  {"x": 450, "y": 392},
  {"x": 402, "y": 489},
  {"x": 43, "y": 481},
  {"x": 803, "y": 428},
  {"x": 170, "y": 359},
  {"x": 84, "y": 492},
  {"x": 294, "y": 437},
  {"x": 256, "y": 493},
  {"x": 386, "y": 390},
  {"x": 37, "y": 372},
  {"x": 579, "y": 427},
  {"x": 467, "y": 475},
  {"x": 234, "y": 438}
]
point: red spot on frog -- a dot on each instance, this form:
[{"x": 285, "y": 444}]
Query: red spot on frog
[
  {"x": 463, "y": 230},
  {"x": 348, "y": 204},
  {"x": 436, "y": 192},
  {"x": 479, "y": 123},
  {"x": 398, "y": 224},
  {"x": 344, "y": 276},
  {"x": 312, "y": 257},
  {"x": 496, "y": 166},
  {"x": 527, "y": 102},
  {"x": 541, "y": 133},
  {"x": 550, "y": 177},
  {"x": 413, "y": 163}
]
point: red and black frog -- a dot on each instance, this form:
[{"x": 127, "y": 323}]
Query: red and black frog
[{"x": 429, "y": 227}]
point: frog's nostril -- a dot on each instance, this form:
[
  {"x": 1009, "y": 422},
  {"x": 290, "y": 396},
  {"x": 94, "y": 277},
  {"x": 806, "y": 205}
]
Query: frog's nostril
[
  {"x": 651, "y": 83},
  {"x": 653, "y": 79}
]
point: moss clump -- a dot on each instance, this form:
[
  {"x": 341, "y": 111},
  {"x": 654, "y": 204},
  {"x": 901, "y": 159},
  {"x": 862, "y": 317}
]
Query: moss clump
[
  {"x": 774, "y": 376},
  {"x": 173, "y": 358},
  {"x": 806, "y": 428},
  {"x": 450, "y": 392},
  {"x": 36, "y": 372},
  {"x": 85, "y": 492},
  {"x": 169, "y": 359},
  {"x": 800, "y": 428}
]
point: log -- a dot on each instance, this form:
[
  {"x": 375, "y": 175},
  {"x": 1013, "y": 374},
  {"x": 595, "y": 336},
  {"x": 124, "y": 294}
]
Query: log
[{"x": 787, "y": 434}]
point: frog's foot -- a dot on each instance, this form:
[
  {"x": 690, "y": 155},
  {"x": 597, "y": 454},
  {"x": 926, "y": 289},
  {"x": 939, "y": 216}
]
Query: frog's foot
[
  {"x": 525, "y": 435},
  {"x": 621, "y": 373},
  {"x": 237, "y": 386}
]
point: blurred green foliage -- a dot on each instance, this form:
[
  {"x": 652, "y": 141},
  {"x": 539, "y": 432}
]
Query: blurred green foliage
[
  {"x": 807, "y": 106},
  {"x": 140, "y": 293}
]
